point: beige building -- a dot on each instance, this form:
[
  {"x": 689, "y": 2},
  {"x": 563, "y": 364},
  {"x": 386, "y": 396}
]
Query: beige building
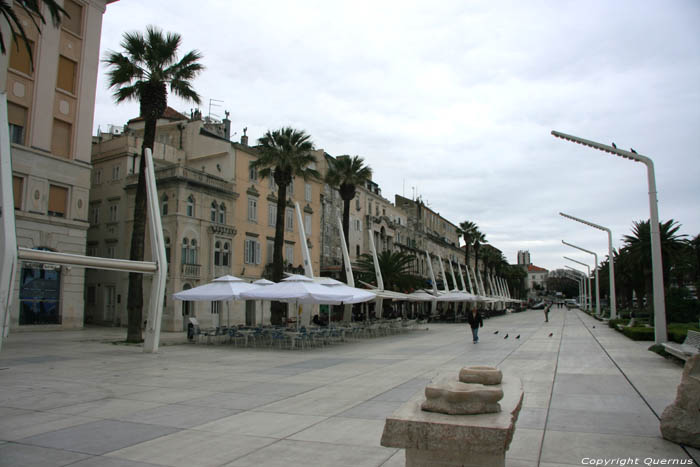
[
  {"x": 218, "y": 217},
  {"x": 50, "y": 112}
]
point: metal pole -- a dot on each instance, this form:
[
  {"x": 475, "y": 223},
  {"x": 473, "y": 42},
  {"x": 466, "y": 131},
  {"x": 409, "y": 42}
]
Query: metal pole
[
  {"x": 597, "y": 283},
  {"x": 660, "y": 332}
]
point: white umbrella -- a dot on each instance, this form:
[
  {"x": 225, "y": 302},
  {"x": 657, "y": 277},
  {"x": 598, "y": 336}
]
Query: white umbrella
[
  {"x": 262, "y": 282},
  {"x": 457, "y": 296},
  {"x": 358, "y": 295},
  {"x": 298, "y": 289},
  {"x": 221, "y": 288}
]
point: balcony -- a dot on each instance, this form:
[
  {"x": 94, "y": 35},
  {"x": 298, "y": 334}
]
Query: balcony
[{"x": 191, "y": 271}]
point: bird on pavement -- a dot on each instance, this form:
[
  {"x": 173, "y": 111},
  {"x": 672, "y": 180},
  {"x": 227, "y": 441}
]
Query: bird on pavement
[
  {"x": 593, "y": 327},
  {"x": 496, "y": 332},
  {"x": 551, "y": 334},
  {"x": 614, "y": 145},
  {"x": 518, "y": 336},
  {"x": 633, "y": 151},
  {"x": 506, "y": 336}
]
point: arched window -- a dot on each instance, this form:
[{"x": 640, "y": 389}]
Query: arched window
[
  {"x": 185, "y": 248},
  {"x": 227, "y": 254},
  {"x": 222, "y": 213},
  {"x": 165, "y": 205},
  {"x": 214, "y": 209},
  {"x": 193, "y": 251},
  {"x": 357, "y": 250},
  {"x": 217, "y": 253},
  {"x": 187, "y": 306},
  {"x": 167, "y": 249},
  {"x": 190, "y": 206}
]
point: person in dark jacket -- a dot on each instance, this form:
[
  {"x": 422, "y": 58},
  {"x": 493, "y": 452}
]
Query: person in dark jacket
[{"x": 475, "y": 321}]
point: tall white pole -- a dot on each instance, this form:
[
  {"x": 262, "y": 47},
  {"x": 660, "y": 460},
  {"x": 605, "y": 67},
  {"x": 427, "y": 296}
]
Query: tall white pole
[
  {"x": 597, "y": 283},
  {"x": 660, "y": 331}
]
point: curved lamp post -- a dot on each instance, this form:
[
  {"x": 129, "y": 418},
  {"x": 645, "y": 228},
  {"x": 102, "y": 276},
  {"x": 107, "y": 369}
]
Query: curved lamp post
[
  {"x": 595, "y": 268},
  {"x": 611, "y": 261},
  {"x": 588, "y": 276},
  {"x": 581, "y": 284},
  {"x": 657, "y": 273}
]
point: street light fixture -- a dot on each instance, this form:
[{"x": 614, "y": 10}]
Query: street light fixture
[
  {"x": 590, "y": 295},
  {"x": 595, "y": 268},
  {"x": 657, "y": 273},
  {"x": 611, "y": 261},
  {"x": 580, "y": 280}
]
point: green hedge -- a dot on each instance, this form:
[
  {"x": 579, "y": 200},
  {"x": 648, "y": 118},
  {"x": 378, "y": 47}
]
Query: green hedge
[
  {"x": 614, "y": 322},
  {"x": 678, "y": 331},
  {"x": 639, "y": 333}
]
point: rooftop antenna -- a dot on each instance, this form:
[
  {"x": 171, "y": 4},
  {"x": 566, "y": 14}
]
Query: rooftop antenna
[{"x": 211, "y": 104}]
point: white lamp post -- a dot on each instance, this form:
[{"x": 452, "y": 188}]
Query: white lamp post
[
  {"x": 611, "y": 261},
  {"x": 589, "y": 298},
  {"x": 581, "y": 284},
  {"x": 595, "y": 268},
  {"x": 657, "y": 272}
]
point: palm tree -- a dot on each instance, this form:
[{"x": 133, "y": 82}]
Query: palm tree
[
  {"x": 396, "y": 269},
  {"x": 345, "y": 173},
  {"x": 478, "y": 239},
  {"x": 32, "y": 8},
  {"x": 283, "y": 155},
  {"x": 467, "y": 230},
  {"x": 148, "y": 65}
]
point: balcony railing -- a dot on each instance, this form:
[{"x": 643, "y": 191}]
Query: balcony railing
[{"x": 191, "y": 271}]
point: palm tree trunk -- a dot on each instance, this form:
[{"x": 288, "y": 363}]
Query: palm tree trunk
[
  {"x": 134, "y": 304},
  {"x": 277, "y": 308},
  {"x": 346, "y": 232}
]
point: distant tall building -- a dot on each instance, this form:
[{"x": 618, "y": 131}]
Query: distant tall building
[{"x": 524, "y": 257}]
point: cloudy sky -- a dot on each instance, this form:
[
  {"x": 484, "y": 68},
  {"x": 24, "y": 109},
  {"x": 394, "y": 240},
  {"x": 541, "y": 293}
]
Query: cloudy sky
[{"x": 454, "y": 101}]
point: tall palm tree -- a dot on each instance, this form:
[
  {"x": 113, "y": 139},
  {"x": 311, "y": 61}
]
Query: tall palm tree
[
  {"x": 32, "y": 8},
  {"x": 396, "y": 269},
  {"x": 346, "y": 173},
  {"x": 467, "y": 229},
  {"x": 148, "y": 64},
  {"x": 283, "y": 155},
  {"x": 478, "y": 239}
]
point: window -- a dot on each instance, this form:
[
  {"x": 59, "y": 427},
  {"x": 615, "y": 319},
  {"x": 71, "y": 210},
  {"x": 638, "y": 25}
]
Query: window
[
  {"x": 185, "y": 249},
  {"x": 357, "y": 250},
  {"x": 222, "y": 213},
  {"x": 357, "y": 203},
  {"x": 289, "y": 253},
  {"x": 91, "y": 298},
  {"x": 91, "y": 250},
  {"x": 251, "y": 251},
  {"x": 307, "y": 192},
  {"x": 98, "y": 178},
  {"x": 252, "y": 173},
  {"x": 190, "y": 206},
  {"x": 94, "y": 215},
  {"x": 193, "y": 251},
  {"x": 39, "y": 296},
  {"x": 290, "y": 188},
  {"x": 307, "y": 224},
  {"x": 226, "y": 255},
  {"x": 376, "y": 210},
  {"x": 116, "y": 172},
  {"x": 358, "y": 225},
  {"x": 215, "y": 308},
  {"x": 167, "y": 249},
  {"x": 66, "y": 74},
  {"x": 17, "y": 119},
  {"x": 111, "y": 251},
  {"x": 217, "y": 253},
  {"x": 61, "y": 139},
  {"x": 19, "y": 57},
  {"x": 74, "y": 21},
  {"x": 271, "y": 182},
  {"x": 270, "y": 251},
  {"x": 252, "y": 209},
  {"x": 272, "y": 215},
  {"x": 58, "y": 197},
  {"x": 113, "y": 212},
  {"x": 214, "y": 211},
  {"x": 164, "y": 209},
  {"x": 289, "y": 219},
  {"x": 17, "y": 189}
]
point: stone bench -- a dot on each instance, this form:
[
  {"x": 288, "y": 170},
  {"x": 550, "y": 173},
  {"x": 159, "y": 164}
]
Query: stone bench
[{"x": 689, "y": 347}]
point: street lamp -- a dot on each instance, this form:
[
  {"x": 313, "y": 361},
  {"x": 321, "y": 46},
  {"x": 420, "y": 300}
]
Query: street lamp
[
  {"x": 657, "y": 273},
  {"x": 590, "y": 295},
  {"x": 611, "y": 261},
  {"x": 595, "y": 268},
  {"x": 581, "y": 283}
]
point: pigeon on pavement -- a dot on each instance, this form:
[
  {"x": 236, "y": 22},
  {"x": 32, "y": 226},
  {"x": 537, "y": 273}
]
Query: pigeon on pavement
[
  {"x": 518, "y": 336},
  {"x": 551, "y": 334},
  {"x": 496, "y": 332},
  {"x": 506, "y": 336}
]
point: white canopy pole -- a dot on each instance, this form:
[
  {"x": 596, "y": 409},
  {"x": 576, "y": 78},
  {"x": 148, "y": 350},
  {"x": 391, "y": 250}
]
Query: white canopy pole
[
  {"x": 347, "y": 312},
  {"x": 469, "y": 280},
  {"x": 308, "y": 268},
  {"x": 380, "y": 281}
]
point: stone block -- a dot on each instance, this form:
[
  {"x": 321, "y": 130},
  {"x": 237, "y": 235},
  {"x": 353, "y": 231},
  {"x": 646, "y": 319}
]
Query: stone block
[{"x": 680, "y": 421}]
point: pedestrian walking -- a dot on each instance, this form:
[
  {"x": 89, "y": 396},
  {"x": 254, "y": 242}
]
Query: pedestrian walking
[
  {"x": 546, "y": 312},
  {"x": 475, "y": 322}
]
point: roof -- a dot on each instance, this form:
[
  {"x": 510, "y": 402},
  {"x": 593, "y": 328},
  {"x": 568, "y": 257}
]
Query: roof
[
  {"x": 533, "y": 268},
  {"x": 169, "y": 114}
]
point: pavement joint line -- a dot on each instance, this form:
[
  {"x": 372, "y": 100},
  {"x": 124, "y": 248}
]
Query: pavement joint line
[
  {"x": 641, "y": 396},
  {"x": 551, "y": 393}
]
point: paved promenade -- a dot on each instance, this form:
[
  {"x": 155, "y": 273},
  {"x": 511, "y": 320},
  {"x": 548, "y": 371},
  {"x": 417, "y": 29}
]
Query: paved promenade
[{"x": 74, "y": 398}]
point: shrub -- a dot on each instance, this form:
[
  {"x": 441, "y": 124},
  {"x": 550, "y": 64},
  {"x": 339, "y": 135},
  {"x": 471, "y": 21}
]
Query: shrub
[
  {"x": 678, "y": 331},
  {"x": 614, "y": 322},
  {"x": 639, "y": 333},
  {"x": 681, "y": 307}
]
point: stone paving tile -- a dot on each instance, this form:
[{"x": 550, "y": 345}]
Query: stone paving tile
[
  {"x": 532, "y": 417},
  {"x": 103, "y": 461},
  {"x": 255, "y": 423},
  {"x": 372, "y": 409},
  {"x": 642, "y": 423},
  {"x": 98, "y": 437},
  {"x": 106, "y": 408},
  {"x": 236, "y": 401},
  {"x": 16, "y": 455},
  {"x": 591, "y": 384},
  {"x": 29, "y": 423},
  {"x": 525, "y": 445},
  {"x": 599, "y": 402},
  {"x": 178, "y": 416},
  {"x": 346, "y": 431}
]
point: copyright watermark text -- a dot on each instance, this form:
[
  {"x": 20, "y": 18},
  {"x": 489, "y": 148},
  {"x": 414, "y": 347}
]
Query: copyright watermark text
[{"x": 622, "y": 461}]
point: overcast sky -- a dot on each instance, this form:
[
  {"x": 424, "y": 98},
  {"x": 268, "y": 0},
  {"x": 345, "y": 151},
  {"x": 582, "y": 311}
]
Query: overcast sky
[{"x": 455, "y": 101}]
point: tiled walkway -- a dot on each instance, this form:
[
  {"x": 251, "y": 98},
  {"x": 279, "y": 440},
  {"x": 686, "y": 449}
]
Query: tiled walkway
[{"x": 74, "y": 398}]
